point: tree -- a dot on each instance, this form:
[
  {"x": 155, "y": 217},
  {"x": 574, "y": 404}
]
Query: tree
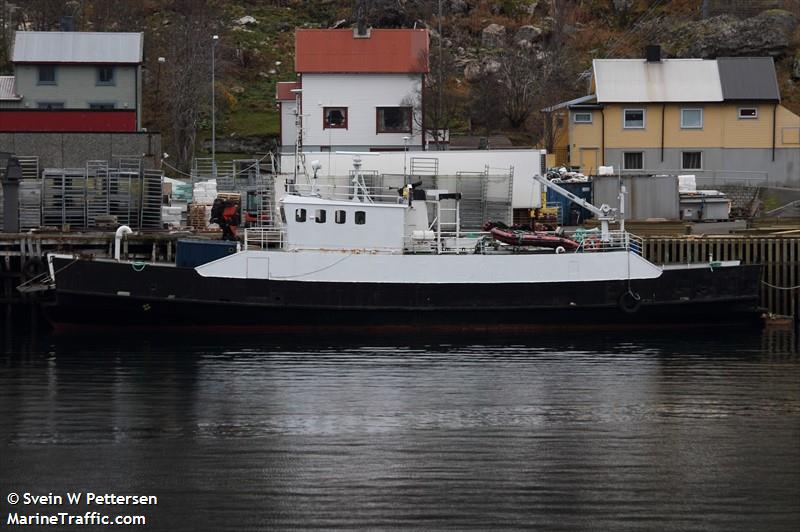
[
  {"x": 486, "y": 108},
  {"x": 186, "y": 83}
]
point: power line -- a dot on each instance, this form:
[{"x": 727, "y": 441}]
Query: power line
[{"x": 645, "y": 17}]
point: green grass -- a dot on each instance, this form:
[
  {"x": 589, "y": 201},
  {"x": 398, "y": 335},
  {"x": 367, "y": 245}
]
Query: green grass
[{"x": 246, "y": 123}]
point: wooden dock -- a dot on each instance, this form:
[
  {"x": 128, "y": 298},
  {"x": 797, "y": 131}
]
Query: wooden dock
[{"x": 778, "y": 253}]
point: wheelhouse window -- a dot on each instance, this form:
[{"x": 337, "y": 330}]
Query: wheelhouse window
[
  {"x": 633, "y": 160},
  {"x": 691, "y": 160},
  {"x": 634, "y": 119},
  {"x": 50, "y": 105},
  {"x": 748, "y": 112},
  {"x": 320, "y": 216},
  {"x": 334, "y": 118},
  {"x": 101, "y": 106},
  {"x": 47, "y": 75},
  {"x": 340, "y": 217},
  {"x": 582, "y": 118},
  {"x": 691, "y": 118},
  {"x": 105, "y": 75},
  {"x": 394, "y": 119},
  {"x": 300, "y": 215},
  {"x": 361, "y": 217}
]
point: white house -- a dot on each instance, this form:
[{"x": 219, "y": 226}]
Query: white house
[{"x": 357, "y": 91}]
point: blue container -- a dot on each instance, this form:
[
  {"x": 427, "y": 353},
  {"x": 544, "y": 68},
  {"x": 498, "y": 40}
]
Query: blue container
[
  {"x": 193, "y": 253},
  {"x": 570, "y": 213}
]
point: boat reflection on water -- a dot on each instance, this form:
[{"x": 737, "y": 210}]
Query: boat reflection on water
[{"x": 570, "y": 431}]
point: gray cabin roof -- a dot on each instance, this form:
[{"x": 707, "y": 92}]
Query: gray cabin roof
[
  {"x": 748, "y": 78},
  {"x": 77, "y": 47}
]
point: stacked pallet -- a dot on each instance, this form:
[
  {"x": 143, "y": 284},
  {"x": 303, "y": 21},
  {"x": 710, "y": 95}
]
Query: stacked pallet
[
  {"x": 30, "y": 200},
  {"x": 198, "y": 216}
]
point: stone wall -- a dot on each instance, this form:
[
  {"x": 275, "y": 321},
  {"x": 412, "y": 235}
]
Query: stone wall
[{"x": 72, "y": 150}]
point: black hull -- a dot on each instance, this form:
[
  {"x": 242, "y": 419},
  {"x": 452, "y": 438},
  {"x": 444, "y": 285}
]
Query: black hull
[{"x": 110, "y": 295}]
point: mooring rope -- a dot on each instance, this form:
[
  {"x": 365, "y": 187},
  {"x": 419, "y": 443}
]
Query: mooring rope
[{"x": 781, "y": 287}]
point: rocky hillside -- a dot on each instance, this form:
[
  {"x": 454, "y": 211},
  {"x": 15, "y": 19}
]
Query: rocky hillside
[{"x": 536, "y": 52}]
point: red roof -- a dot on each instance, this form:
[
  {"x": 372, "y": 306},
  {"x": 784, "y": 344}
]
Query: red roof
[
  {"x": 384, "y": 51},
  {"x": 283, "y": 90}
]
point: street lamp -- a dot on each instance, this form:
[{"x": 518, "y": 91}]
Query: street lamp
[
  {"x": 161, "y": 61},
  {"x": 214, "y": 41},
  {"x": 405, "y": 153}
]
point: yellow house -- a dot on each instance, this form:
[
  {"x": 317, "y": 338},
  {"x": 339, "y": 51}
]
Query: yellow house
[{"x": 718, "y": 118}]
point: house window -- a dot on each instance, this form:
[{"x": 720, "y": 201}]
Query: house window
[
  {"x": 340, "y": 217},
  {"x": 50, "y": 105},
  {"x": 748, "y": 112},
  {"x": 334, "y": 118},
  {"x": 394, "y": 119},
  {"x": 105, "y": 75},
  {"x": 300, "y": 215},
  {"x": 361, "y": 217},
  {"x": 633, "y": 160},
  {"x": 634, "y": 119},
  {"x": 691, "y": 118},
  {"x": 582, "y": 118},
  {"x": 102, "y": 106},
  {"x": 47, "y": 75},
  {"x": 691, "y": 160},
  {"x": 320, "y": 216}
]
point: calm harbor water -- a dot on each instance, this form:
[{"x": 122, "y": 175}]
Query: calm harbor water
[{"x": 667, "y": 431}]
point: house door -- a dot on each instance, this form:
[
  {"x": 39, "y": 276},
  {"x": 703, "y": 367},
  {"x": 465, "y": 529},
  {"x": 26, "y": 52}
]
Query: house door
[{"x": 589, "y": 160}]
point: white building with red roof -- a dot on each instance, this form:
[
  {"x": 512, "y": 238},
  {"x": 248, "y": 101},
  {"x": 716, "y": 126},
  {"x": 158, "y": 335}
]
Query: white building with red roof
[{"x": 356, "y": 92}]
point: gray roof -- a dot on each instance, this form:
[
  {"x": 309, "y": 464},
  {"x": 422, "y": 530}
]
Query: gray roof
[
  {"x": 668, "y": 80},
  {"x": 77, "y": 47},
  {"x": 748, "y": 78},
  {"x": 7, "y": 91}
]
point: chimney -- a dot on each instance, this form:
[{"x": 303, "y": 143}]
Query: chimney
[
  {"x": 67, "y": 23},
  {"x": 653, "y": 53},
  {"x": 361, "y": 30}
]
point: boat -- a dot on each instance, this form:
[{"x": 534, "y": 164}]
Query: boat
[
  {"x": 520, "y": 236},
  {"x": 365, "y": 264}
]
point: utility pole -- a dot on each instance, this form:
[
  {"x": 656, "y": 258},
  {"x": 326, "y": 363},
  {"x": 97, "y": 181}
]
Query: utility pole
[{"x": 214, "y": 40}]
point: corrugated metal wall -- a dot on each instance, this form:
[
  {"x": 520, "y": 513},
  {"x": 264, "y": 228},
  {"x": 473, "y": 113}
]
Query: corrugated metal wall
[{"x": 647, "y": 196}]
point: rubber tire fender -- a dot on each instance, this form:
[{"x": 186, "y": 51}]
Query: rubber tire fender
[{"x": 629, "y": 302}]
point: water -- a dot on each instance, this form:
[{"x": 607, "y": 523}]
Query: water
[{"x": 597, "y": 432}]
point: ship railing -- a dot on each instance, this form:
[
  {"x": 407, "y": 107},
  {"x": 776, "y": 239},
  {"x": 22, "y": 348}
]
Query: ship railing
[
  {"x": 347, "y": 193},
  {"x": 263, "y": 238},
  {"x": 445, "y": 242},
  {"x": 593, "y": 242},
  {"x": 467, "y": 242}
]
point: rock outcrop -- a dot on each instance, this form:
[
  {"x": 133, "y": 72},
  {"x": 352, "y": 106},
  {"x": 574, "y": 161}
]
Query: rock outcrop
[
  {"x": 528, "y": 33},
  {"x": 493, "y": 36},
  {"x": 769, "y": 33}
]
